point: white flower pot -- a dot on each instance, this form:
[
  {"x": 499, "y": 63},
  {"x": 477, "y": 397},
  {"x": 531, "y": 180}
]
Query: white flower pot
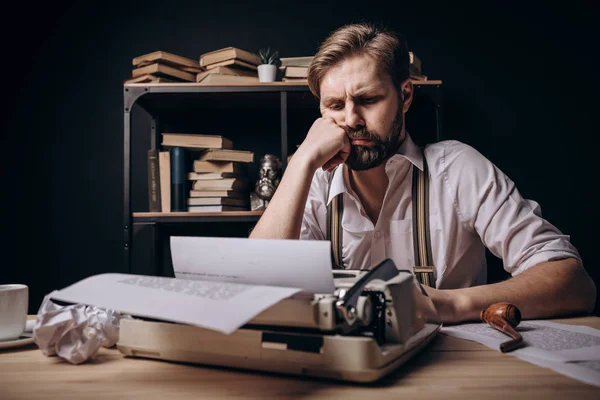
[{"x": 267, "y": 72}]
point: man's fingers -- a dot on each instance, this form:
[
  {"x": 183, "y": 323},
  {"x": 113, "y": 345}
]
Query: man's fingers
[
  {"x": 328, "y": 166},
  {"x": 333, "y": 162},
  {"x": 345, "y": 152}
]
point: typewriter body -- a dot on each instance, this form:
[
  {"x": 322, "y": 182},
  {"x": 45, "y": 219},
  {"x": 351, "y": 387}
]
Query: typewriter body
[{"x": 374, "y": 322}]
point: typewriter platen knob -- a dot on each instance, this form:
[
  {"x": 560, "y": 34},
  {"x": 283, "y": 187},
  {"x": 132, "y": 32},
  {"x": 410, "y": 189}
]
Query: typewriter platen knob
[{"x": 364, "y": 310}]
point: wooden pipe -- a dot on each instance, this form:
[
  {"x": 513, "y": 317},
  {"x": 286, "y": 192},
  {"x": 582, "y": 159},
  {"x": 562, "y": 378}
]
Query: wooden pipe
[
  {"x": 508, "y": 311},
  {"x": 504, "y": 317}
]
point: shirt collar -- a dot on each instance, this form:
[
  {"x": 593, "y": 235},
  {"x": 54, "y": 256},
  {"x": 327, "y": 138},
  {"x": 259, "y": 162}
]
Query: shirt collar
[
  {"x": 337, "y": 183},
  {"x": 408, "y": 149}
]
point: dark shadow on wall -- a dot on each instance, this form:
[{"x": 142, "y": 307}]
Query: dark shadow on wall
[{"x": 515, "y": 88}]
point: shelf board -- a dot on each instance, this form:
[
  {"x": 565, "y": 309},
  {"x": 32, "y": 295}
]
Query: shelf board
[
  {"x": 257, "y": 86},
  {"x": 176, "y": 217},
  {"x": 187, "y": 97}
]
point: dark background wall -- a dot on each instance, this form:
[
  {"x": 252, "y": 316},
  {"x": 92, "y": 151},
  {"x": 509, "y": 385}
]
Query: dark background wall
[{"x": 519, "y": 83}]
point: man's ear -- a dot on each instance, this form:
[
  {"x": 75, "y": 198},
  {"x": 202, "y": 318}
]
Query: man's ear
[{"x": 408, "y": 91}]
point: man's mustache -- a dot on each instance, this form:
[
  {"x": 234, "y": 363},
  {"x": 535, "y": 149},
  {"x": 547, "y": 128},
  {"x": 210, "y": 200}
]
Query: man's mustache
[{"x": 362, "y": 133}]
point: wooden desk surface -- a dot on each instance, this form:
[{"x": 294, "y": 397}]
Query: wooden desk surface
[{"x": 450, "y": 368}]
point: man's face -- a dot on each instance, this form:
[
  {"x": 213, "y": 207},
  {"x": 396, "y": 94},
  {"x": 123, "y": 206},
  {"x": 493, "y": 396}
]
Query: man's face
[{"x": 363, "y": 100}]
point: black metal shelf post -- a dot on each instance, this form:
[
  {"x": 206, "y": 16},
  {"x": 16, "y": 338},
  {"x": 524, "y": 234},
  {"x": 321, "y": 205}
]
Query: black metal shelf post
[
  {"x": 284, "y": 129},
  {"x": 434, "y": 93}
]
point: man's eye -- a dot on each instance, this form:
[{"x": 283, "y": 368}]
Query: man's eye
[
  {"x": 368, "y": 100},
  {"x": 335, "y": 106}
]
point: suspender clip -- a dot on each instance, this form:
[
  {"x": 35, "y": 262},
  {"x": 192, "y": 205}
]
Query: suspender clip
[{"x": 426, "y": 270}]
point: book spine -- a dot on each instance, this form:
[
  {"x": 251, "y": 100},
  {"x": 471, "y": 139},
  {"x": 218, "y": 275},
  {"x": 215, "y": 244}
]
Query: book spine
[
  {"x": 178, "y": 179},
  {"x": 164, "y": 167},
  {"x": 153, "y": 182}
]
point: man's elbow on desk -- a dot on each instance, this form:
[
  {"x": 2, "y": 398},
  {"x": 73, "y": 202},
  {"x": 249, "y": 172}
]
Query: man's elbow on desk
[
  {"x": 570, "y": 290},
  {"x": 546, "y": 290},
  {"x": 583, "y": 287},
  {"x": 552, "y": 289}
]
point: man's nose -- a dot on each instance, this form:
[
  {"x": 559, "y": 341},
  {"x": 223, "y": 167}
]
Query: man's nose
[{"x": 353, "y": 119}]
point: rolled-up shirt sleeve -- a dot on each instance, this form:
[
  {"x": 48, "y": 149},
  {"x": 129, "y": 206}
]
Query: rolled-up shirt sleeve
[
  {"x": 315, "y": 210},
  {"x": 510, "y": 226}
]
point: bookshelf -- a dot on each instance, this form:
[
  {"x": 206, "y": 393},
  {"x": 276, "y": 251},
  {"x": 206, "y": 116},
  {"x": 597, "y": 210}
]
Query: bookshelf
[
  {"x": 182, "y": 217},
  {"x": 284, "y": 107}
]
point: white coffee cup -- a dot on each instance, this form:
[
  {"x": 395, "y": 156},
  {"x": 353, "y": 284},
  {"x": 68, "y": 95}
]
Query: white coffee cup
[{"x": 14, "y": 303}]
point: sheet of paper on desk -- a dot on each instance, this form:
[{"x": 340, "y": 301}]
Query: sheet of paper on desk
[
  {"x": 571, "y": 350},
  {"x": 222, "y": 306},
  {"x": 304, "y": 264}
]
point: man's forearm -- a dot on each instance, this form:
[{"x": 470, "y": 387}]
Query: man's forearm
[
  {"x": 283, "y": 217},
  {"x": 546, "y": 290}
]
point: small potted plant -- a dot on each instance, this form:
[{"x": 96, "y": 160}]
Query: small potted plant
[{"x": 269, "y": 63}]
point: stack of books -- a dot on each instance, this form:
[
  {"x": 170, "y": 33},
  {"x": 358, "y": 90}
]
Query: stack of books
[
  {"x": 415, "y": 68},
  {"x": 161, "y": 66},
  {"x": 218, "y": 179},
  {"x": 295, "y": 69},
  {"x": 229, "y": 65}
]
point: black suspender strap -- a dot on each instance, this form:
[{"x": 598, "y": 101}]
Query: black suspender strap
[{"x": 423, "y": 269}]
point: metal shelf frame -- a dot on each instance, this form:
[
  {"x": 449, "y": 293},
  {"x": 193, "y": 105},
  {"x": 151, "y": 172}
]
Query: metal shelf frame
[{"x": 139, "y": 92}]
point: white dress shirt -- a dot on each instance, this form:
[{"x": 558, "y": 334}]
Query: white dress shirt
[{"x": 472, "y": 205}]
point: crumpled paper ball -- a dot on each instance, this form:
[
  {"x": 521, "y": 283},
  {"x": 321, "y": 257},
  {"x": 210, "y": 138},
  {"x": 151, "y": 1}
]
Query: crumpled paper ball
[{"x": 75, "y": 332}]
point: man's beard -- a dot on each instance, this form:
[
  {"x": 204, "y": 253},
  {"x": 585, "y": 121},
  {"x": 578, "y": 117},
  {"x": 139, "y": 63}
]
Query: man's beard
[{"x": 362, "y": 158}]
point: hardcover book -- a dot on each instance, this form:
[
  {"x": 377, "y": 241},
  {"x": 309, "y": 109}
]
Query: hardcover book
[
  {"x": 234, "y": 184},
  {"x": 153, "y": 181},
  {"x": 191, "y": 69},
  {"x": 226, "y": 155},
  {"x": 219, "y": 79},
  {"x": 210, "y": 176},
  {"x": 163, "y": 70},
  {"x": 228, "y": 53},
  {"x": 223, "y": 70},
  {"x": 178, "y": 179},
  {"x": 415, "y": 62},
  {"x": 164, "y": 57},
  {"x": 294, "y": 80},
  {"x": 218, "y": 193},
  {"x": 149, "y": 78},
  {"x": 215, "y": 201},
  {"x": 164, "y": 166},
  {"x": 196, "y": 140},
  {"x": 218, "y": 208},
  {"x": 295, "y": 72},
  {"x": 303, "y": 61},
  {"x": 233, "y": 63},
  {"x": 218, "y": 166}
]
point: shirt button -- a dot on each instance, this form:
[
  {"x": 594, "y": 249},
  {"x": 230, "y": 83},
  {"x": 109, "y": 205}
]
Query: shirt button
[{"x": 377, "y": 234}]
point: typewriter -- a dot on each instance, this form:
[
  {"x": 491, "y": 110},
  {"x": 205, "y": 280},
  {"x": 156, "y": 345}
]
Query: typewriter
[{"x": 374, "y": 322}]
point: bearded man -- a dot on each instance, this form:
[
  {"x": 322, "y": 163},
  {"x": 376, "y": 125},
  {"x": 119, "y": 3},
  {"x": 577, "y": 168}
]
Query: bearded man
[{"x": 360, "y": 156}]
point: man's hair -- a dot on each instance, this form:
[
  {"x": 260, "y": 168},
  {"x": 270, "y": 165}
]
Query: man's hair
[{"x": 387, "y": 48}]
